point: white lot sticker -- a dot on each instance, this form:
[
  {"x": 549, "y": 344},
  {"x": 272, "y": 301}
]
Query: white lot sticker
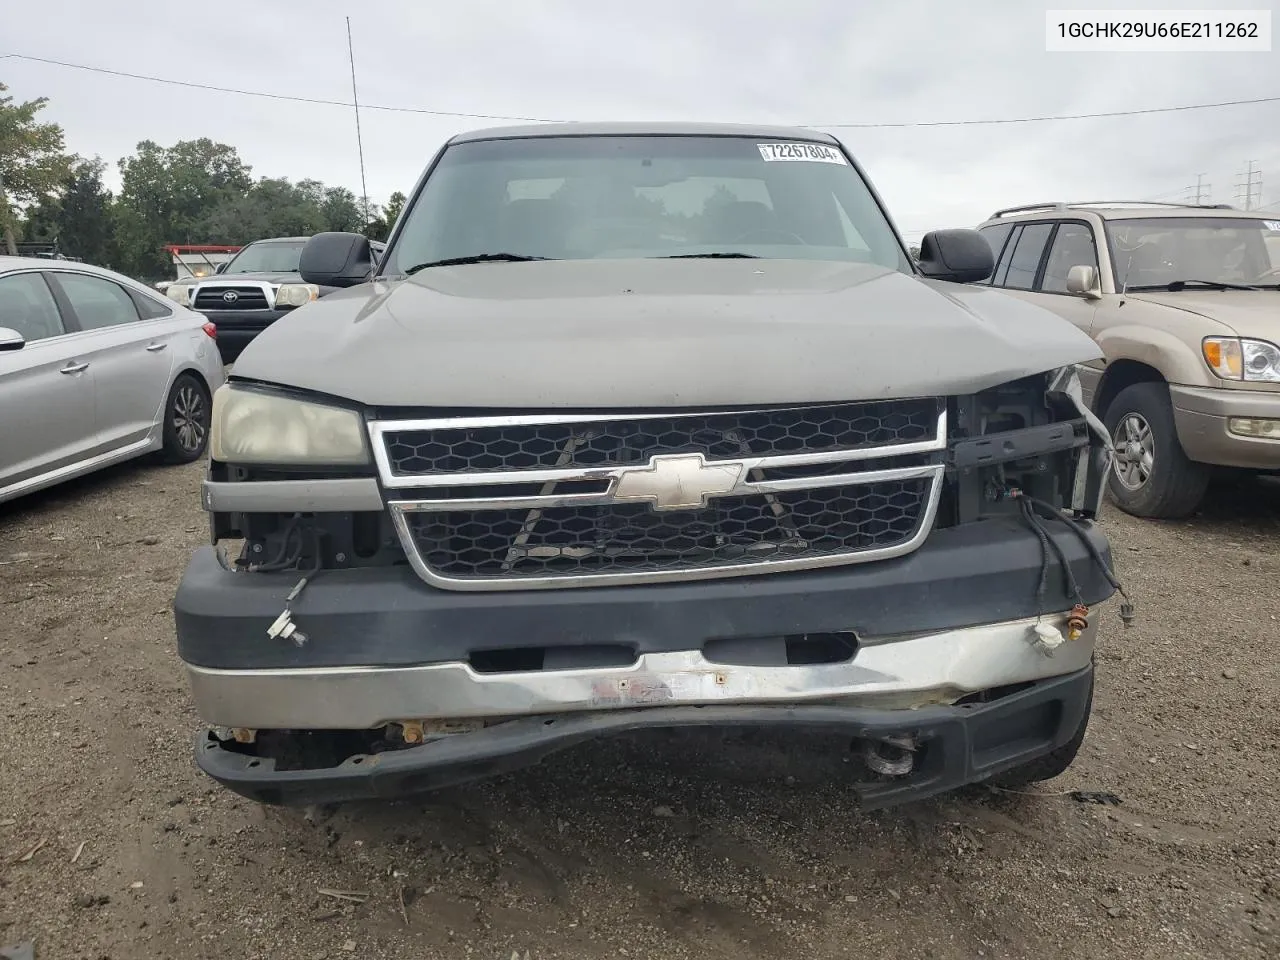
[
  {"x": 1272, "y": 224},
  {"x": 813, "y": 152}
]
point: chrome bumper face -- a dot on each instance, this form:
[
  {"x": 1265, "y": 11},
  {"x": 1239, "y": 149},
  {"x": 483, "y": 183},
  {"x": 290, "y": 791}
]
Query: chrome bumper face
[{"x": 893, "y": 673}]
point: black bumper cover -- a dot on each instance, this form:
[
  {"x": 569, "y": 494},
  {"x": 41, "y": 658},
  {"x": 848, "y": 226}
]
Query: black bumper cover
[
  {"x": 961, "y": 745},
  {"x": 978, "y": 573}
]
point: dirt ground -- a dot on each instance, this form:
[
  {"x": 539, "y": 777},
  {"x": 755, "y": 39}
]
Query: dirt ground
[{"x": 115, "y": 846}]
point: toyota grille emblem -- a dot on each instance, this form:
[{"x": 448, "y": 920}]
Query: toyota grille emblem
[{"x": 231, "y": 296}]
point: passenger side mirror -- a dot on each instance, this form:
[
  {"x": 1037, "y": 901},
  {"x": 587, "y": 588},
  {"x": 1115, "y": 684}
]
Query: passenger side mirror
[
  {"x": 1083, "y": 281},
  {"x": 11, "y": 339},
  {"x": 961, "y": 256},
  {"x": 336, "y": 260},
  {"x": 219, "y": 268}
]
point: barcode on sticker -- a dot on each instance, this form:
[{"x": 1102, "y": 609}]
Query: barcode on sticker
[
  {"x": 1272, "y": 224},
  {"x": 813, "y": 152}
]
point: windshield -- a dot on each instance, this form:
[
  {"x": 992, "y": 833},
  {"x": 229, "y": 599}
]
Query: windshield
[
  {"x": 673, "y": 196},
  {"x": 274, "y": 257},
  {"x": 1229, "y": 250}
]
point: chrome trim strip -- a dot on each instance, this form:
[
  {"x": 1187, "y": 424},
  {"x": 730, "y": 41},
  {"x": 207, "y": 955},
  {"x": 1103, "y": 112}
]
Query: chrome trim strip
[
  {"x": 933, "y": 668},
  {"x": 340, "y": 495},
  {"x": 606, "y": 497},
  {"x": 399, "y": 518},
  {"x": 392, "y": 480},
  {"x": 80, "y": 467}
]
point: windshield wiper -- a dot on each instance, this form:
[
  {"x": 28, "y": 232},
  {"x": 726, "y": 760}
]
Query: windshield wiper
[
  {"x": 1176, "y": 285},
  {"x": 477, "y": 258},
  {"x": 710, "y": 256}
]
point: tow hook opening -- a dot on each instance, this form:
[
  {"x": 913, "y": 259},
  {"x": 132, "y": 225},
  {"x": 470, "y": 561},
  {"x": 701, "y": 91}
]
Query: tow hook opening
[{"x": 889, "y": 756}]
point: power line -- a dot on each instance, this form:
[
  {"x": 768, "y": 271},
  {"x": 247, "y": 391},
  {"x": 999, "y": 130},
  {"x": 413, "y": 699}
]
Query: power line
[{"x": 491, "y": 116}]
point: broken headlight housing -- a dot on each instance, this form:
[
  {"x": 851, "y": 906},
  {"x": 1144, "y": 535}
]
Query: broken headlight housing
[{"x": 1035, "y": 436}]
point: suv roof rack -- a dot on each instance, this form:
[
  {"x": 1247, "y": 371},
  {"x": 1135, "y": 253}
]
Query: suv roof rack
[{"x": 1060, "y": 205}]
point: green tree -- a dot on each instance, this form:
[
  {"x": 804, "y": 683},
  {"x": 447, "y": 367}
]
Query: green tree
[
  {"x": 33, "y": 161},
  {"x": 395, "y": 206},
  {"x": 342, "y": 211},
  {"x": 168, "y": 194}
]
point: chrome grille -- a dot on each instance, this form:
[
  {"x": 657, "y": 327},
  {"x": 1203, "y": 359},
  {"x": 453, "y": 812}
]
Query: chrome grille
[
  {"x": 246, "y": 298},
  {"x": 503, "y": 503}
]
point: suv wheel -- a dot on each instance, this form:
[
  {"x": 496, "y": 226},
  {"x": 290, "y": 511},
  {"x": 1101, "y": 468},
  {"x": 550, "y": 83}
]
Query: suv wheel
[
  {"x": 187, "y": 416},
  {"x": 1151, "y": 476}
]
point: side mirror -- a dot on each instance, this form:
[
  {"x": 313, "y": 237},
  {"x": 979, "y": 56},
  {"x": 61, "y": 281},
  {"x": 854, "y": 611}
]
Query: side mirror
[
  {"x": 961, "y": 256},
  {"x": 220, "y": 268},
  {"x": 11, "y": 339},
  {"x": 1083, "y": 281},
  {"x": 336, "y": 260}
]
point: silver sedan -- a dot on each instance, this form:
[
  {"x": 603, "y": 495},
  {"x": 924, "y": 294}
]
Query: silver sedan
[{"x": 96, "y": 369}]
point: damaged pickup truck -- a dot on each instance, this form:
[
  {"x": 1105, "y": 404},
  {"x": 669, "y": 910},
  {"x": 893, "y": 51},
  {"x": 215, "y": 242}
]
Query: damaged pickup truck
[{"x": 646, "y": 426}]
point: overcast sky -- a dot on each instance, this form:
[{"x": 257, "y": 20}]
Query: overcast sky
[{"x": 812, "y": 62}]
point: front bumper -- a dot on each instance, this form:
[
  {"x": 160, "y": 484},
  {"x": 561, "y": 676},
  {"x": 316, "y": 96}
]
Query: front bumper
[
  {"x": 1201, "y": 416},
  {"x": 958, "y": 745},
  {"x": 905, "y": 672},
  {"x": 236, "y": 328}
]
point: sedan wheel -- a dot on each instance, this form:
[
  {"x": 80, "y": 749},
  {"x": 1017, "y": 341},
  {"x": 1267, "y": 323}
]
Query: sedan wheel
[{"x": 187, "y": 417}]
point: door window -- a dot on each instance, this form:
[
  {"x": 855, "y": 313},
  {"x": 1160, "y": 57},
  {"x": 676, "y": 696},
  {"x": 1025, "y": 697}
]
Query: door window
[
  {"x": 27, "y": 306},
  {"x": 1072, "y": 247},
  {"x": 1024, "y": 263},
  {"x": 97, "y": 302}
]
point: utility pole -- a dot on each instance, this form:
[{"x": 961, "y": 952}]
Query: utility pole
[
  {"x": 1249, "y": 185},
  {"x": 355, "y": 102},
  {"x": 1202, "y": 191}
]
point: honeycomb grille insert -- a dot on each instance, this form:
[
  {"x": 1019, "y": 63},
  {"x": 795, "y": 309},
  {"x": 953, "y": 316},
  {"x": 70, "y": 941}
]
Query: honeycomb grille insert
[
  {"x": 608, "y": 443},
  {"x": 630, "y": 538}
]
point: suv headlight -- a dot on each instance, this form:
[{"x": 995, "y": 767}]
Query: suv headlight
[
  {"x": 179, "y": 293},
  {"x": 1237, "y": 359},
  {"x": 296, "y": 294},
  {"x": 253, "y": 426}
]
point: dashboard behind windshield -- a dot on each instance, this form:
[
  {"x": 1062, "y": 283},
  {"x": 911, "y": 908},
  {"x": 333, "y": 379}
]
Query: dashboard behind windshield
[
  {"x": 659, "y": 196},
  {"x": 1162, "y": 250}
]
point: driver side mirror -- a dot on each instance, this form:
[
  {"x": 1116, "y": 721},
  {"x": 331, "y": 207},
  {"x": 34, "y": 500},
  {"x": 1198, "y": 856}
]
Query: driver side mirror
[
  {"x": 336, "y": 260},
  {"x": 220, "y": 268},
  {"x": 11, "y": 339},
  {"x": 961, "y": 256},
  {"x": 1083, "y": 281}
]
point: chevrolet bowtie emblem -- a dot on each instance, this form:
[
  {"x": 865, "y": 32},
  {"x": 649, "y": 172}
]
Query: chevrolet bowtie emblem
[{"x": 678, "y": 481}]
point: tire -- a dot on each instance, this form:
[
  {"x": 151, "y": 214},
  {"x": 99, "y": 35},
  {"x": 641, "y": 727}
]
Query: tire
[
  {"x": 1052, "y": 764},
  {"x": 1151, "y": 476},
  {"x": 187, "y": 415}
]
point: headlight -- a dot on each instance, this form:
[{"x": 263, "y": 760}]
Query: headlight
[
  {"x": 179, "y": 292},
  {"x": 1235, "y": 359},
  {"x": 296, "y": 294},
  {"x": 251, "y": 426}
]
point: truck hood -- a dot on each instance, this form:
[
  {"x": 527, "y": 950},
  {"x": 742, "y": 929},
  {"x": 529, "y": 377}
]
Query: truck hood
[
  {"x": 232, "y": 278},
  {"x": 1250, "y": 313},
  {"x": 657, "y": 333}
]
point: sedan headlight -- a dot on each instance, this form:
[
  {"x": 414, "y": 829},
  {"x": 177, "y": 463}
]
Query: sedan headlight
[
  {"x": 179, "y": 293},
  {"x": 253, "y": 426},
  {"x": 296, "y": 294},
  {"x": 1238, "y": 359}
]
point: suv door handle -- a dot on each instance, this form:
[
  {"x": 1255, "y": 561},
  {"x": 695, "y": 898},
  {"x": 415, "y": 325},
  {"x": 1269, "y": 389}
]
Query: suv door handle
[
  {"x": 153, "y": 347},
  {"x": 74, "y": 368}
]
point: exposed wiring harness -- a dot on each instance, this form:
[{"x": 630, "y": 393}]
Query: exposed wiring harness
[{"x": 1036, "y": 513}]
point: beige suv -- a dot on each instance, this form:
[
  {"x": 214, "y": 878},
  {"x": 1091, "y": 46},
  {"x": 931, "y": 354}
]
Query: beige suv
[{"x": 1185, "y": 303}]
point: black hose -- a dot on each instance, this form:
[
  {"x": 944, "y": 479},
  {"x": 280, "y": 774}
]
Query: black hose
[{"x": 1025, "y": 508}]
